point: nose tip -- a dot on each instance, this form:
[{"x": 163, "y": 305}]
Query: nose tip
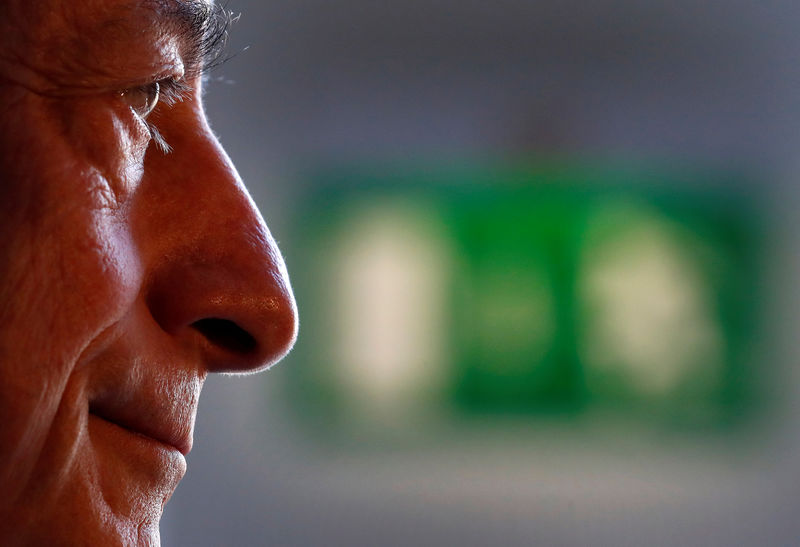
[{"x": 238, "y": 312}]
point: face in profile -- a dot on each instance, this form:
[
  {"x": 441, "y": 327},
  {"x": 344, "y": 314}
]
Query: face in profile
[{"x": 132, "y": 264}]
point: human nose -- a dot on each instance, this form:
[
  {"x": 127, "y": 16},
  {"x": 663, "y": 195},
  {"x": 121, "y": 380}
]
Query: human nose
[{"x": 216, "y": 282}]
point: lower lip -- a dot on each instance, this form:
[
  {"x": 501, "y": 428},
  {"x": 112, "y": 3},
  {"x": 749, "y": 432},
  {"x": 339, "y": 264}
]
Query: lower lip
[{"x": 154, "y": 461}]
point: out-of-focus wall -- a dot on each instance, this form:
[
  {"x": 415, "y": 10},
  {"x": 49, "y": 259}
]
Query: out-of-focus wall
[{"x": 448, "y": 81}]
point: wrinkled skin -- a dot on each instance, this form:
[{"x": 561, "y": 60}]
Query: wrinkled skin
[{"x": 126, "y": 273}]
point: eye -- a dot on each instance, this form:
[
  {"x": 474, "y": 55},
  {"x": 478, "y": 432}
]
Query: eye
[{"x": 142, "y": 99}]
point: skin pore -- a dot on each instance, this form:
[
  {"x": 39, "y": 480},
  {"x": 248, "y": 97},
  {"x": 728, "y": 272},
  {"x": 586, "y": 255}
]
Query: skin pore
[{"x": 129, "y": 269}]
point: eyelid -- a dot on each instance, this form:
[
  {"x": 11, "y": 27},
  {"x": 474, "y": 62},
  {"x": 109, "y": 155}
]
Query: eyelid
[{"x": 142, "y": 99}]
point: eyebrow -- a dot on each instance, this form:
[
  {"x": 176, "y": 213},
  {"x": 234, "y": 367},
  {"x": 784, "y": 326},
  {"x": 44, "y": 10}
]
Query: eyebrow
[{"x": 203, "y": 28}]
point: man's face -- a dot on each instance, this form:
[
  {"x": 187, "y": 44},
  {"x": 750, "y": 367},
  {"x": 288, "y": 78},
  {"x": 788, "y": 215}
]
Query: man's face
[{"x": 126, "y": 273}]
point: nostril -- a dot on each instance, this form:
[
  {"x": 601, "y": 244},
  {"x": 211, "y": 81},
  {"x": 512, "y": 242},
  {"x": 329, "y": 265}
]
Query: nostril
[{"x": 226, "y": 334}]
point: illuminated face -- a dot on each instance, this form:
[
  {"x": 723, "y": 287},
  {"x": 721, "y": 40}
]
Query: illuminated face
[{"x": 132, "y": 263}]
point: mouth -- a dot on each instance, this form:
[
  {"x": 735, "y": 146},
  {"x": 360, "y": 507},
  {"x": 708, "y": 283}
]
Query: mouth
[{"x": 145, "y": 426}]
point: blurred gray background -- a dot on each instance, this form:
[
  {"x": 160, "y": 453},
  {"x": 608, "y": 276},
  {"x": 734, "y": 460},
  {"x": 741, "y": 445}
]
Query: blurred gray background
[{"x": 412, "y": 80}]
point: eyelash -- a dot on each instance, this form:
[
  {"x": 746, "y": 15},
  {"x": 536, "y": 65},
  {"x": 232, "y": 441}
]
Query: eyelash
[
  {"x": 171, "y": 91},
  {"x": 168, "y": 91}
]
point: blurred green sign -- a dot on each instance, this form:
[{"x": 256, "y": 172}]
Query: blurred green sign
[{"x": 549, "y": 291}]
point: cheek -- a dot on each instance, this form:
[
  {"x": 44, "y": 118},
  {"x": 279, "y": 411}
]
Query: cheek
[
  {"x": 81, "y": 164},
  {"x": 98, "y": 267},
  {"x": 72, "y": 277},
  {"x": 74, "y": 274},
  {"x": 68, "y": 269}
]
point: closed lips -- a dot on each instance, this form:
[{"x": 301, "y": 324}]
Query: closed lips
[{"x": 142, "y": 420}]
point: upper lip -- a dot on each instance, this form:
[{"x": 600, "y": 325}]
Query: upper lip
[{"x": 159, "y": 419}]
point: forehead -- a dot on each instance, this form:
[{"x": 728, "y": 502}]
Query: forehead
[
  {"x": 49, "y": 20},
  {"x": 72, "y": 35}
]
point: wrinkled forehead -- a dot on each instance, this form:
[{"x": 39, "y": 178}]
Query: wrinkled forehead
[
  {"x": 49, "y": 20},
  {"x": 68, "y": 35}
]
